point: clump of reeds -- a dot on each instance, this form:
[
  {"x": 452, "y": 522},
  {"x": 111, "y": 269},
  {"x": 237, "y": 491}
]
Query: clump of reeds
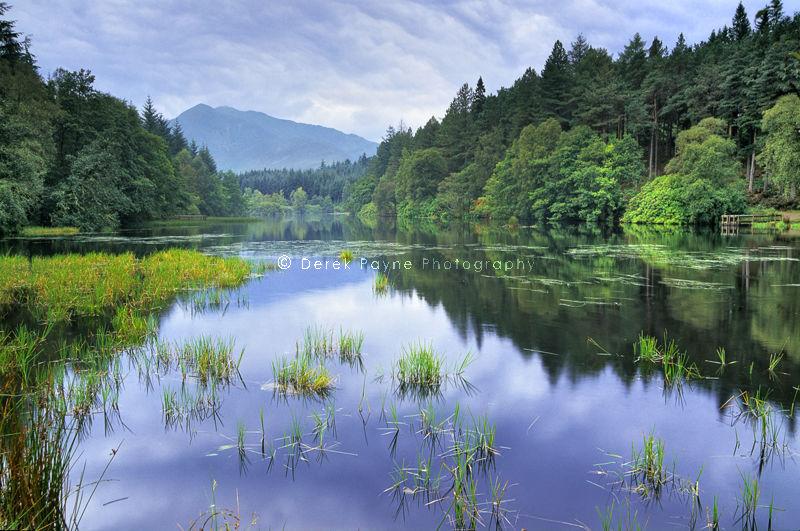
[
  {"x": 349, "y": 343},
  {"x": 381, "y": 286},
  {"x": 422, "y": 371},
  {"x": 36, "y": 450},
  {"x": 676, "y": 364},
  {"x": 647, "y": 464},
  {"x": 320, "y": 342},
  {"x": 346, "y": 256},
  {"x": 420, "y": 364},
  {"x": 766, "y": 420},
  {"x": 211, "y": 358},
  {"x": 302, "y": 374}
]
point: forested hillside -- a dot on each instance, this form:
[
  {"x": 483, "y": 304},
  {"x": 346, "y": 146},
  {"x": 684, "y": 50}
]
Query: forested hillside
[
  {"x": 73, "y": 156},
  {"x": 677, "y": 135}
]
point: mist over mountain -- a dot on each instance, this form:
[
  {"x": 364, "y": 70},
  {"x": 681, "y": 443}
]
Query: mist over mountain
[{"x": 250, "y": 140}]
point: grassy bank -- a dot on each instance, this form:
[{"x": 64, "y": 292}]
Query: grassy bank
[
  {"x": 43, "y": 404},
  {"x": 62, "y": 287}
]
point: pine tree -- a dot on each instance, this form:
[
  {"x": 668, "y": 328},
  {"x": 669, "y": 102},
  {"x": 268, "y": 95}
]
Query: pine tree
[
  {"x": 11, "y": 48},
  {"x": 741, "y": 24},
  {"x": 557, "y": 85},
  {"x": 479, "y": 97},
  {"x": 579, "y": 49}
]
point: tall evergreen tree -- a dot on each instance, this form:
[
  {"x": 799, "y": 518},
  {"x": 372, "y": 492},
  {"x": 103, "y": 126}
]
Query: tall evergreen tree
[
  {"x": 557, "y": 85},
  {"x": 741, "y": 24}
]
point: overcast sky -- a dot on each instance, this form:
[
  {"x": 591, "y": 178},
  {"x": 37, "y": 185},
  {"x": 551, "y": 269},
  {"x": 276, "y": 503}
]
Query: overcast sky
[{"x": 355, "y": 65}]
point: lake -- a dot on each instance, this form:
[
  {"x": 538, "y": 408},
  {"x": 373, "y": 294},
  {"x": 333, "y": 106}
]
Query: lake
[{"x": 546, "y": 319}]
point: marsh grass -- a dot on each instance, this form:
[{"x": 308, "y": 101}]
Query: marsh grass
[
  {"x": 627, "y": 520},
  {"x": 211, "y": 358},
  {"x": 648, "y": 472},
  {"x": 346, "y": 256},
  {"x": 350, "y": 343},
  {"x": 452, "y": 468},
  {"x": 421, "y": 372},
  {"x": 63, "y": 287},
  {"x": 37, "y": 447},
  {"x": 676, "y": 364},
  {"x": 382, "y": 284},
  {"x": 419, "y": 364},
  {"x": 766, "y": 421},
  {"x": 749, "y": 494},
  {"x": 322, "y": 342},
  {"x": 53, "y": 387},
  {"x": 303, "y": 375}
]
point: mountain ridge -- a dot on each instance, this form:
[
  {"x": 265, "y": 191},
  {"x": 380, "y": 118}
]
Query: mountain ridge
[{"x": 253, "y": 140}]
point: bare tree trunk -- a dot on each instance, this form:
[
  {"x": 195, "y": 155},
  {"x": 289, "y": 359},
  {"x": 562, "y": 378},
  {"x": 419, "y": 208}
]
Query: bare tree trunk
[
  {"x": 655, "y": 154},
  {"x": 752, "y": 166}
]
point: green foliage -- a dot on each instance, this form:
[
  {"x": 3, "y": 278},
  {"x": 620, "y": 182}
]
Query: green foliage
[
  {"x": 781, "y": 155},
  {"x": 561, "y": 176},
  {"x": 703, "y": 186},
  {"x": 702, "y": 153},
  {"x": 258, "y": 204},
  {"x": 419, "y": 174},
  {"x": 24, "y": 153},
  {"x": 299, "y": 200},
  {"x": 337, "y": 180},
  {"x": 679, "y": 200}
]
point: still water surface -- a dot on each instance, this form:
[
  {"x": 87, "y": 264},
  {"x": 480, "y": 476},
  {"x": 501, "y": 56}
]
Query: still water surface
[{"x": 524, "y": 302}]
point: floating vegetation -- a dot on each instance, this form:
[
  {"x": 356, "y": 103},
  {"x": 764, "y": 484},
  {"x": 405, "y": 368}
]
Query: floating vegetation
[
  {"x": 668, "y": 256},
  {"x": 683, "y": 283},
  {"x": 34, "y": 232}
]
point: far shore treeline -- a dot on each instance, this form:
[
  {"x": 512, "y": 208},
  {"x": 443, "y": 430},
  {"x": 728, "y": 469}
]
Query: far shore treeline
[
  {"x": 653, "y": 135},
  {"x": 73, "y": 156}
]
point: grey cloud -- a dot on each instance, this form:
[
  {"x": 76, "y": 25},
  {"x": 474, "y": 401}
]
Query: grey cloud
[{"x": 355, "y": 65}]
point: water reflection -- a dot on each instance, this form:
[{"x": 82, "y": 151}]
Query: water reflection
[{"x": 560, "y": 403}]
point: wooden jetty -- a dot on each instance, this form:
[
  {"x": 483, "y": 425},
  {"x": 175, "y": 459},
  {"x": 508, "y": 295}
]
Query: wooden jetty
[{"x": 730, "y": 223}]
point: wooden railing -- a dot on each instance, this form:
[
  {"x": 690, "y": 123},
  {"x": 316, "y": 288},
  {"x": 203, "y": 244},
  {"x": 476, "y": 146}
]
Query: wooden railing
[{"x": 737, "y": 220}]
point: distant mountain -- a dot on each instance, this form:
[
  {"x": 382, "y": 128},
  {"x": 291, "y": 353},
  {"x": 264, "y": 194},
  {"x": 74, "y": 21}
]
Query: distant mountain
[{"x": 250, "y": 140}]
